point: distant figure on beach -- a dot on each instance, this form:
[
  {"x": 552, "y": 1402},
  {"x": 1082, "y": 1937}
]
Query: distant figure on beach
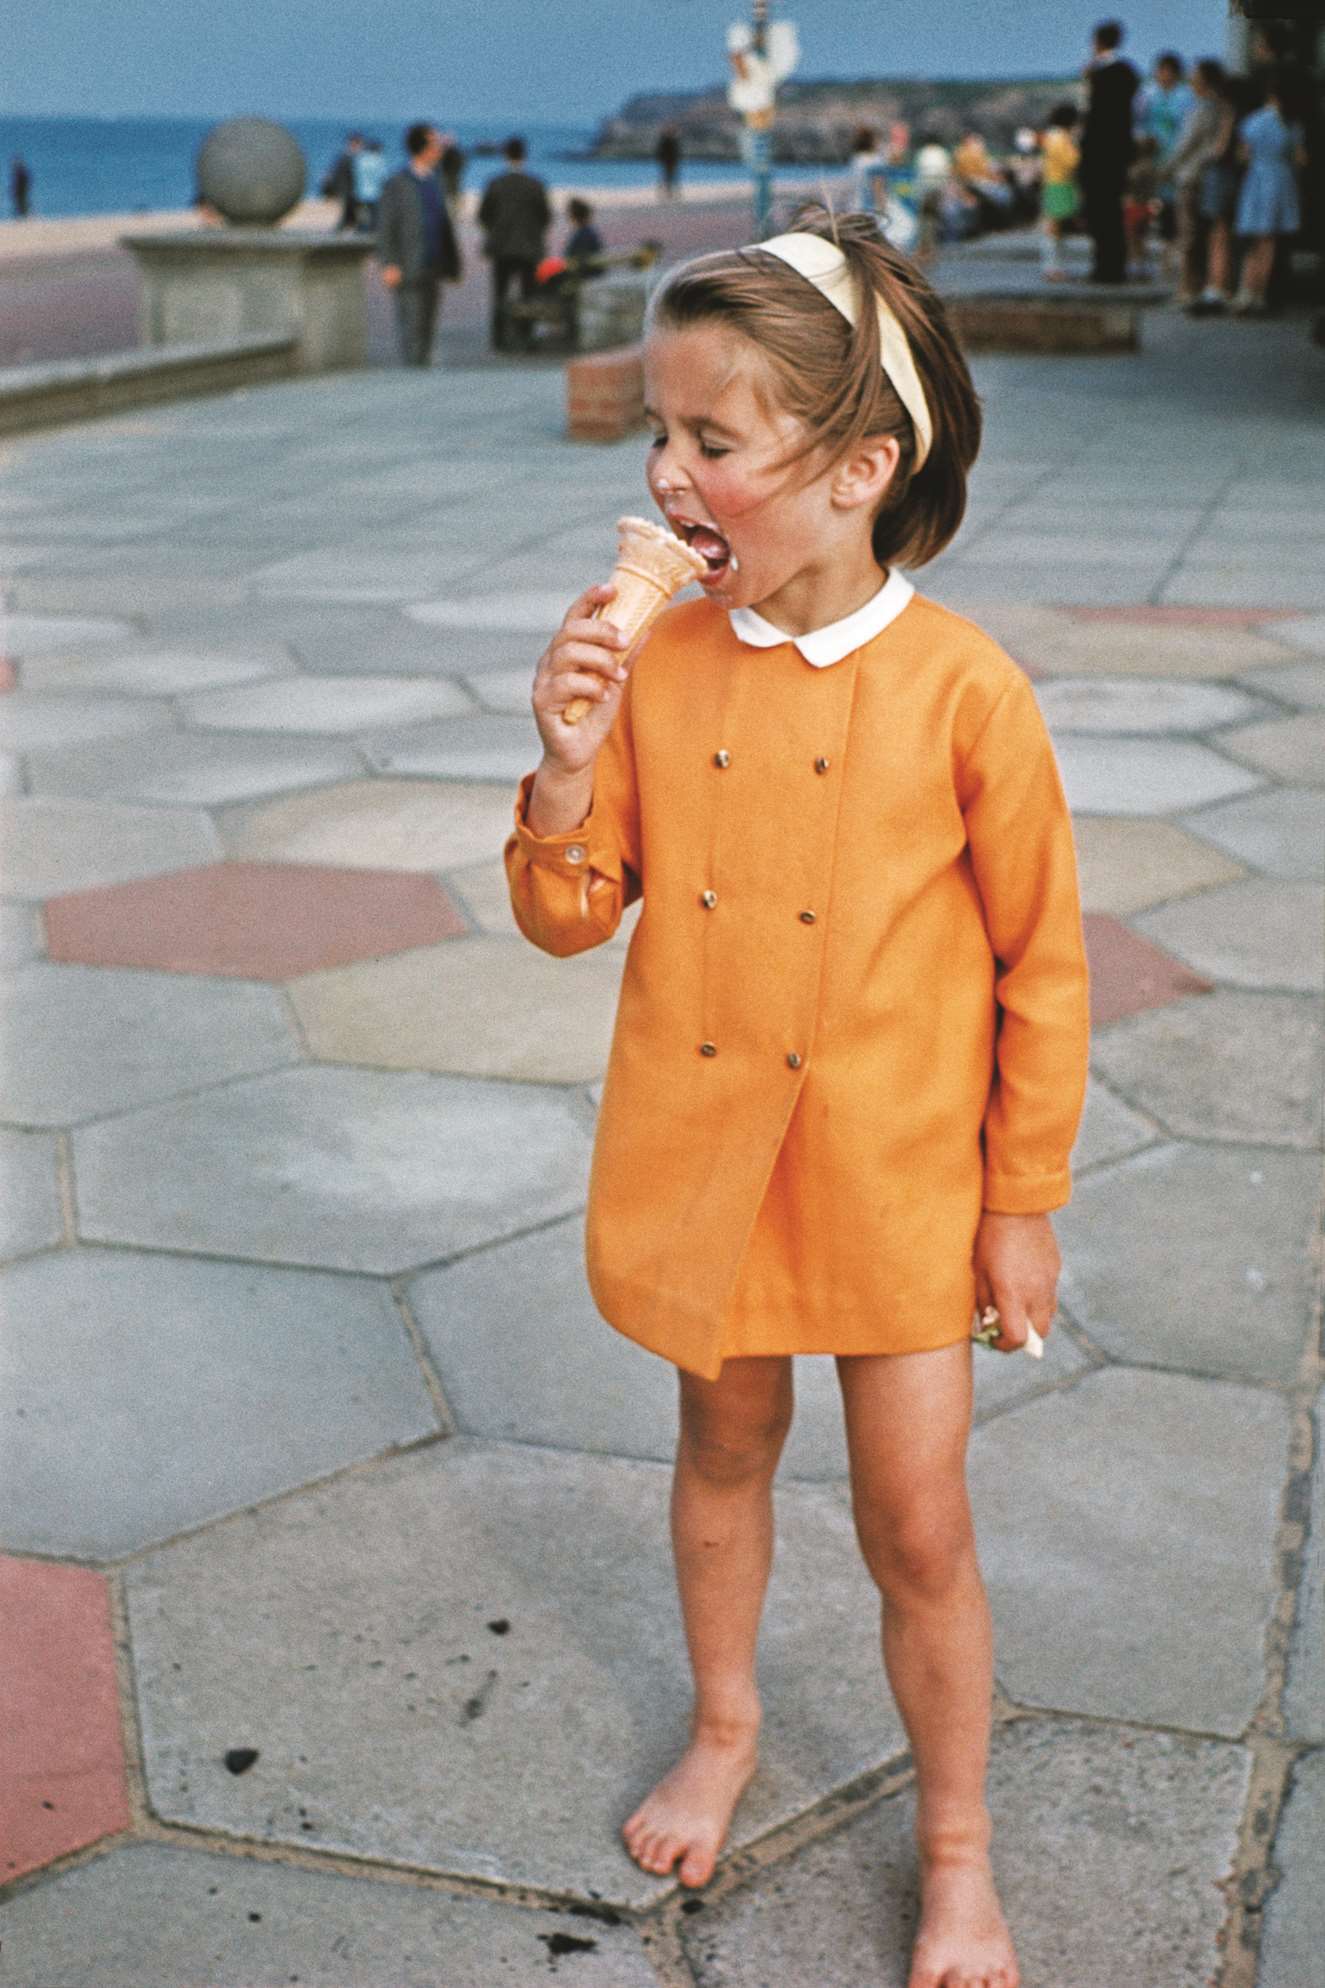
[
  {"x": 416, "y": 244},
  {"x": 1106, "y": 150},
  {"x": 451, "y": 169},
  {"x": 514, "y": 215},
  {"x": 369, "y": 179},
  {"x": 1058, "y": 186},
  {"x": 20, "y": 187},
  {"x": 339, "y": 182},
  {"x": 668, "y": 155}
]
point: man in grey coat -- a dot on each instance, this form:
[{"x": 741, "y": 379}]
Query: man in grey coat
[
  {"x": 416, "y": 243},
  {"x": 514, "y": 216}
]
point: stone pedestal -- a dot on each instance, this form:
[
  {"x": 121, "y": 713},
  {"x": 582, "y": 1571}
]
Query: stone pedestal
[{"x": 224, "y": 283}]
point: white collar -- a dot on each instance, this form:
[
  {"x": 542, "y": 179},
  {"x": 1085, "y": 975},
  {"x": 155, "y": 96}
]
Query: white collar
[{"x": 823, "y": 646}]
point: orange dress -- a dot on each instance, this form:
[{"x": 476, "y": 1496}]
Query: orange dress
[{"x": 854, "y": 1008}]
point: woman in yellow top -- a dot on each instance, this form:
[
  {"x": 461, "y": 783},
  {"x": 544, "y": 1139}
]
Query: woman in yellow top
[
  {"x": 1059, "y": 198},
  {"x": 850, "y": 1050}
]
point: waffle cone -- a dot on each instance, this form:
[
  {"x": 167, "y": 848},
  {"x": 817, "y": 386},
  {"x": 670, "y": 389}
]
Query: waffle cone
[{"x": 651, "y": 566}]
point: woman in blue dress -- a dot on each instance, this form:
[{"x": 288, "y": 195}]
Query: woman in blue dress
[{"x": 1272, "y": 150}]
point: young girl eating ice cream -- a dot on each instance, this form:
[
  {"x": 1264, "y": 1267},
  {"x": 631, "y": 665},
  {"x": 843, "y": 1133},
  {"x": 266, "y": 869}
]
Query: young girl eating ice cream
[{"x": 850, "y": 1050}]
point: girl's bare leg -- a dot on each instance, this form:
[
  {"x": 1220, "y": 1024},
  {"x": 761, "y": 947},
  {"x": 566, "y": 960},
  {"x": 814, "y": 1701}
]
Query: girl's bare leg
[
  {"x": 1256, "y": 266},
  {"x": 907, "y": 1419},
  {"x": 732, "y": 1432},
  {"x": 1220, "y": 267}
]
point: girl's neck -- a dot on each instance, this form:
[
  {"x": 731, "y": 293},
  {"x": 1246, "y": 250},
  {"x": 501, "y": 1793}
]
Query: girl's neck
[{"x": 820, "y": 595}]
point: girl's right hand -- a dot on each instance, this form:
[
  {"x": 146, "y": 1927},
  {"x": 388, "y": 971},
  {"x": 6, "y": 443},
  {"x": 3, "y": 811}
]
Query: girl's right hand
[{"x": 585, "y": 658}]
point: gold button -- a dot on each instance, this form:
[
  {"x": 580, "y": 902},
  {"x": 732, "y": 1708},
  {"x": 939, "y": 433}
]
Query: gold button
[
  {"x": 807, "y": 918},
  {"x": 722, "y": 757},
  {"x": 575, "y": 853},
  {"x": 793, "y": 1061},
  {"x": 822, "y": 764},
  {"x": 708, "y": 898},
  {"x": 708, "y": 1048}
]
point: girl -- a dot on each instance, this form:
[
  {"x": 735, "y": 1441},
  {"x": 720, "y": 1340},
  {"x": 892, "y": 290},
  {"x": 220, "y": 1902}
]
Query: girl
[
  {"x": 850, "y": 1049},
  {"x": 1058, "y": 186},
  {"x": 1271, "y": 149}
]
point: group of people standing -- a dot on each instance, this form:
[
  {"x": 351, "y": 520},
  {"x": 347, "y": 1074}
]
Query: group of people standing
[{"x": 1201, "y": 159}]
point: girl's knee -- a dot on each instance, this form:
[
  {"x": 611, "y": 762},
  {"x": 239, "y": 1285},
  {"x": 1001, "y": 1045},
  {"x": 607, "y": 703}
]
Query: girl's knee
[
  {"x": 917, "y": 1554},
  {"x": 734, "y": 1443}
]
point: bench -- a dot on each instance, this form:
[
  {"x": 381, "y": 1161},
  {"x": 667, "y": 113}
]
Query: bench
[{"x": 555, "y": 308}]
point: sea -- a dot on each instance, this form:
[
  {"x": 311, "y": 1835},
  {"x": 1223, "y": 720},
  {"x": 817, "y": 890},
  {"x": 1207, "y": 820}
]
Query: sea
[{"x": 135, "y": 165}]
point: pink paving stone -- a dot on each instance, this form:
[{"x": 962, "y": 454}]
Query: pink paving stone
[
  {"x": 8, "y": 674},
  {"x": 1158, "y": 615},
  {"x": 62, "y": 1778},
  {"x": 251, "y": 921},
  {"x": 1128, "y": 974}
]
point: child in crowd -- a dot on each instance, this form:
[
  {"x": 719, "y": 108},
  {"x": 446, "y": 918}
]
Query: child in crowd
[
  {"x": 850, "y": 1050},
  {"x": 1141, "y": 208},
  {"x": 1059, "y": 198},
  {"x": 584, "y": 243}
]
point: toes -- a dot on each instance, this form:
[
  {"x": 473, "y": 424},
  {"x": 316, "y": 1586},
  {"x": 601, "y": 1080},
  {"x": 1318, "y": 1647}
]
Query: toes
[{"x": 697, "y": 1867}]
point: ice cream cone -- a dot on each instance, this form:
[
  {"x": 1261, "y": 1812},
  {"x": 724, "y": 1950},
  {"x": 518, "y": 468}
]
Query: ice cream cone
[{"x": 651, "y": 566}]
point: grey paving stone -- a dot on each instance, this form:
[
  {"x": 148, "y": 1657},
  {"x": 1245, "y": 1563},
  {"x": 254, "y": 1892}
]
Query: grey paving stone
[
  {"x": 1145, "y": 776},
  {"x": 1109, "y": 1129},
  {"x": 331, "y": 704},
  {"x": 11, "y": 774},
  {"x": 197, "y": 769},
  {"x": 1292, "y": 749},
  {"x": 1305, "y": 631},
  {"x": 1126, "y": 1530},
  {"x": 81, "y": 1041},
  {"x": 362, "y": 572},
  {"x": 1297, "y": 683},
  {"x": 29, "y": 634},
  {"x": 1223, "y": 1066},
  {"x": 517, "y": 613},
  {"x": 347, "y": 1169},
  {"x": 157, "y": 671},
  {"x": 377, "y": 824},
  {"x": 19, "y": 938},
  {"x": 150, "y": 1913},
  {"x": 1236, "y": 1219},
  {"x": 48, "y": 846},
  {"x": 1140, "y": 704},
  {"x": 482, "y": 748},
  {"x": 1293, "y": 1939},
  {"x": 1253, "y": 934},
  {"x": 502, "y": 690},
  {"x": 1109, "y": 1848},
  {"x": 47, "y": 720},
  {"x": 1280, "y": 831},
  {"x": 411, "y": 1730},
  {"x": 1304, "y": 1697},
  {"x": 30, "y": 1213},
  {"x": 225, "y": 1383}
]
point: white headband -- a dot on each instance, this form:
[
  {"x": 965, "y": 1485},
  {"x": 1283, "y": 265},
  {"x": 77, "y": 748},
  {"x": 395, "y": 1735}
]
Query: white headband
[{"x": 822, "y": 263}]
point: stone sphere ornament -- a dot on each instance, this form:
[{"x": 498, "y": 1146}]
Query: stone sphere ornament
[{"x": 251, "y": 171}]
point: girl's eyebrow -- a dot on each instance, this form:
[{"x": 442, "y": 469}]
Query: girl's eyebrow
[{"x": 694, "y": 422}]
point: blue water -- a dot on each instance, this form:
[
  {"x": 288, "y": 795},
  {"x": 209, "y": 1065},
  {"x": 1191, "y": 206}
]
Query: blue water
[{"x": 126, "y": 165}]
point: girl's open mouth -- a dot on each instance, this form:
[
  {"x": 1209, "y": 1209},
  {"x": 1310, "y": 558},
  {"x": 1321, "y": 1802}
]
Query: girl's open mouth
[{"x": 712, "y": 548}]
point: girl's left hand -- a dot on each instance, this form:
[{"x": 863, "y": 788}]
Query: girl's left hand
[{"x": 1016, "y": 1271}]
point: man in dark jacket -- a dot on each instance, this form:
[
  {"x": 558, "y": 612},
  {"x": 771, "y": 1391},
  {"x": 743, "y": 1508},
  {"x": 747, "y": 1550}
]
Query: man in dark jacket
[
  {"x": 416, "y": 243},
  {"x": 1106, "y": 150},
  {"x": 514, "y": 216}
]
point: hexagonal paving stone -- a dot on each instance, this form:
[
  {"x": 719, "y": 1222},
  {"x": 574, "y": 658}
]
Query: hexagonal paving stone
[
  {"x": 1145, "y": 776},
  {"x": 1110, "y": 1848},
  {"x": 200, "y": 769},
  {"x": 1280, "y": 831},
  {"x": 62, "y": 1776},
  {"x": 1126, "y": 1530},
  {"x": 229, "y": 1383},
  {"x": 327, "y": 704},
  {"x": 1290, "y": 748},
  {"x": 1293, "y": 1939},
  {"x": 57, "y": 845},
  {"x": 516, "y": 613},
  {"x": 31, "y": 1216},
  {"x": 360, "y": 573},
  {"x": 1109, "y": 1130},
  {"x": 512, "y": 1754},
  {"x": 485, "y": 1008},
  {"x": 376, "y": 824},
  {"x": 19, "y": 938},
  {"x": 157, "y": 672},
  {"x": 1304, "y": 631},
  {"x": 1140, "y": 704},
  {"x": 1239, "y": 1216},
  {"x": 1230, "y": 1066},
  {"x": 251, "y": 921},
  {"x": 483, "y": 748},
  {"x": 502, "y": 690},
  {"x": 155, "y": 1912},
  {"x": 1125, "y": 643},
  {"x": 30, "y": 634},
  {"x": 11, "y": 774},
  {"x": 1297, "y": 683},
  {"x": 82, "y": 1041},
  {"x": 1254, "y": 934},
  {"x": 47, "y": 720},
  {"x": 1127, "y": 866},
  {"x": 1127, "y": 974},
  {"x": 351, "y": 1169}
]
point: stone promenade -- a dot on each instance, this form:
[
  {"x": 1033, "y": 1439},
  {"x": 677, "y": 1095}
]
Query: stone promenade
[{"x": 336, "y": 1612}]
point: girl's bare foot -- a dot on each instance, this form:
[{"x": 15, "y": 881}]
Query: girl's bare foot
[
  {"x": 689, "y": 1812},
  {"x": 963, "y": 1940}
]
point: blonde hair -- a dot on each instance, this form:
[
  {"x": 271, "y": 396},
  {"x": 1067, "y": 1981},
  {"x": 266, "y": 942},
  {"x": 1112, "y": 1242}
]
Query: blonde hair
[{"x": 829, "y": 374}]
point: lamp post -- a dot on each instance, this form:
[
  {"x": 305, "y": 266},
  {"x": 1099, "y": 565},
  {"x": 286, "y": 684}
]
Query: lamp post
[{"x": 761, "y": 54}]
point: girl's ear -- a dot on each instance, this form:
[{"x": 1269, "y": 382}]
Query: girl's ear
[{"x": 864, "y": 475}]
